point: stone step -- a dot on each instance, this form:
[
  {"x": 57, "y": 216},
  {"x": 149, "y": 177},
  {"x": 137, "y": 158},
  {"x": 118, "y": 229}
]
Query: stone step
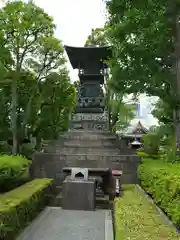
[
  {"x": 57, "y": 201},
  {"x": 85, "y": 148},
  {"x": 58, "y": 189},
  {"x": 99, "y": 192},
  {"x": 88, "y": 150},
  {"x": 94, "y": 156},
  {"x": 86, "y": 143},
  {"x": 101, "y": 202},
  {"x": 90, "y": 137},
  {"x": 86, "y": 132},
  {"x": 93, "y": 135},
  {"x": 89, "y": 160}
]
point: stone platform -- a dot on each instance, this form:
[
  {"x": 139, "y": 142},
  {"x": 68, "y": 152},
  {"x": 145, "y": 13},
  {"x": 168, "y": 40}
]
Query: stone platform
[
  {"x": 86, "y": 149},
  {"x": 56, "y": 223}
]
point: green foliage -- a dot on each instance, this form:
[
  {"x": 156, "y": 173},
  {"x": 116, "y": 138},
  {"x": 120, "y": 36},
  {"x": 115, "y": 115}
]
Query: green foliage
[
  {"x": 34, "y": 78},
  {"x": 4, "y": 148},
  {"x": 144, "y": 37},
  {"x": 27, "y": 150},
  {"x": 143, "y": 154},
  {"x": 13, "y": 171},
  {"x": 98, "y": 37},
  {"x": 166, "y": 130},
  {"x": 141, "y": 36},
  {"x": 162, "y": 181},
  {"x": 170, "y": 150},
  {"x": 125, "y": 115},
  {"x": 136, "y": 218},
  {"x": 151, "y": 143},
  {"x": 163, "y": 112},
  {"x": 57, "y": 102},
  {"x": 120, "y": 113},
  {"x": 18, "y": 207}
]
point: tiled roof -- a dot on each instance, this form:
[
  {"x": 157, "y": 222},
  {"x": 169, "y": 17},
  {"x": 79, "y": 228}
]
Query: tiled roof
[{"x": 137, "y": 126}]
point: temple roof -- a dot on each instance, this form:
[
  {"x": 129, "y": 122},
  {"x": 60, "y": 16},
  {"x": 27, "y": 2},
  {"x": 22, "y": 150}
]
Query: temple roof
[
  {"x": 139, "y": 129},
  {"x": 83, "y": 56},
  {"x": 135, "y": 129}
]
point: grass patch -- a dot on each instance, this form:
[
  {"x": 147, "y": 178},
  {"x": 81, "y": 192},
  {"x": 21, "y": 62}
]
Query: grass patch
[{"x": 137, "y": 219}]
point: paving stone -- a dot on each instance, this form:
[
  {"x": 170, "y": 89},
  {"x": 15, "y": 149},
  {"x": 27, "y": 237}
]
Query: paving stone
[{"x": 56, "y": 224}]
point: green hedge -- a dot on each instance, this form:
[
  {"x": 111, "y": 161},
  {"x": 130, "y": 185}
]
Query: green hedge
[
  {"x": 19, "y": 206},
  {"x": 13, "y": 171},
  {"x": 137, "y": 219},
  {"x": 142, "y": 154},
  {"x": 162, "y": 181}
]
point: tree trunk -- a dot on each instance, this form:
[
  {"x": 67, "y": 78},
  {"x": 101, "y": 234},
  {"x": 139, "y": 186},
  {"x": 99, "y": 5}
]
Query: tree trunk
[
  {"x": 14, "y": 115},
  {"x": 177, "y": 54}
]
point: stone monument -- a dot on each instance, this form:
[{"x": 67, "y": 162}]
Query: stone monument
[
  {"x": 88, "y": 143},
  {"x": 90, "y": 111},
  {"x": 79, "y": 192}
]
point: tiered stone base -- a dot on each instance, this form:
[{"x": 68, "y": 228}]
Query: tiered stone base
[{"x": 89, "y": 149}]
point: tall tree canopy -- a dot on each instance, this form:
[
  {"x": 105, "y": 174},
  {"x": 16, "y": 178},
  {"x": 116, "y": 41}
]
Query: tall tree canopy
[
  {"x": 35, "y": 87},
  {"x": 98, "y": 37},
  {"x": 145, "y": 42}
]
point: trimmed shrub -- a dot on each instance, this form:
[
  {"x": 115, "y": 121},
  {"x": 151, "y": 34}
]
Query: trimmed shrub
[
  {"x": 19, "y": 206},
  {"x": 161, "y": 180},
  {"x": 142, "y": 154},
  {"x": 136, "y": 218},
  {"x": 13, "y": 171},
  {"x": 151, "y": 143}
]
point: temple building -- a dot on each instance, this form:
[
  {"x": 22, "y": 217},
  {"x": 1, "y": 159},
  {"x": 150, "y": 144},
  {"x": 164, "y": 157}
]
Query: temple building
[
  {"x": 137, "y": 128},
  {"x": 134, "y": 132}
]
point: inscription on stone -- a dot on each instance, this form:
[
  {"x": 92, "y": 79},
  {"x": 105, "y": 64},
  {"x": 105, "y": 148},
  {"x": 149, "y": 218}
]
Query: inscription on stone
[
  {"x": 78, "y": 126},
  {"x": 89, "y": 117},
  {"x": 99, "y": 126}
]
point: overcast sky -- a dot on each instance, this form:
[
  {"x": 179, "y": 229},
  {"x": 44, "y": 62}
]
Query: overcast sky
[{"x": 74, "y": 20}]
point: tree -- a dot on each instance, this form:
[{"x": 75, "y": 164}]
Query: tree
[
  {"x": 166, "y": 129},
  {"x": 164, "y": 113},
  {"x": 98, "y": 37},
  {"x": 120, "y": 112},
  {"x": 151, "y": 143},
  {"x": 29, "y": 40},
  {"x": 144, "y": 37},
  {"x": 57, "y": 102},
  {"x": 126, "y": 114},
  {"x": 31, "y": 55}
]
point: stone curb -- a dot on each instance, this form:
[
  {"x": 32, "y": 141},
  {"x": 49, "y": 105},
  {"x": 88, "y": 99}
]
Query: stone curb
[
  {"x": 109, "y": 235},
  {"x": 34, "y": 223}
]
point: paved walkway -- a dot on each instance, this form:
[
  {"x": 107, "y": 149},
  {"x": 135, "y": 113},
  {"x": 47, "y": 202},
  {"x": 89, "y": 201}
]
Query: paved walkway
[{"x": 55, "y": 223}]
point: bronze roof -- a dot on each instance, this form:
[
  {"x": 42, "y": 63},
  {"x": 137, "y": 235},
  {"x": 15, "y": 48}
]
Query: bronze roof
[{"x": 83, "y": 56}]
